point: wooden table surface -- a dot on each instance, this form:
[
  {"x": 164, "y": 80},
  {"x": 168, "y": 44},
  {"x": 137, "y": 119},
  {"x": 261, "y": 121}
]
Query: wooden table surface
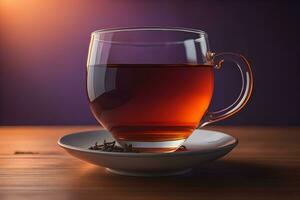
[{"x": 265, "y": 165}]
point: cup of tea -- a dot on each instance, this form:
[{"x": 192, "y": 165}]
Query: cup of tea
[{"x": 151, "y": 86}]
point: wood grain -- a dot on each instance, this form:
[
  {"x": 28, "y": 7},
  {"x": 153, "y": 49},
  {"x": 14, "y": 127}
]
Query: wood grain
[{"x": 265, "y": 165}]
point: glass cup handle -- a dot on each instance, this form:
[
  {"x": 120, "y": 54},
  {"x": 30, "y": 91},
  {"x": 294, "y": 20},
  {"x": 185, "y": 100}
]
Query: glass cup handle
[{"x": 245, "y": 93}]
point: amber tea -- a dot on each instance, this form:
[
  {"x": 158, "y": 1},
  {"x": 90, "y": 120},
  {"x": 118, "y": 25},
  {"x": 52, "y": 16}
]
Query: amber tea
[{"x": 150, "y": 102}]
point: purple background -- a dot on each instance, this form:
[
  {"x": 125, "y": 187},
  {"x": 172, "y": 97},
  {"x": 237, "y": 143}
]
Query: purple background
[{"x": 44, "y": 44}]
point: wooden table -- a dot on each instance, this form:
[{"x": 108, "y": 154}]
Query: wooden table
[{"x": 265, "y": 165}]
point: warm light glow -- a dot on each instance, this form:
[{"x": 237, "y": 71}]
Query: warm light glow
[{"x": 32, "y": 30}]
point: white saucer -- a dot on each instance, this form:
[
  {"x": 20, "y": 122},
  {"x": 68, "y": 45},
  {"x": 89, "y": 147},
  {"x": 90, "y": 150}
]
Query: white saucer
[{"x": 202, "y": 146}]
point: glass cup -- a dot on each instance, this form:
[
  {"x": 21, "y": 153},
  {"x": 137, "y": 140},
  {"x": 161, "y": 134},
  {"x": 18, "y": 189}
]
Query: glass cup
[{"x": 151, "y": 86}]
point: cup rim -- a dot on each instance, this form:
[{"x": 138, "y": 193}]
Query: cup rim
[{"x": 97, "y": 33}]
